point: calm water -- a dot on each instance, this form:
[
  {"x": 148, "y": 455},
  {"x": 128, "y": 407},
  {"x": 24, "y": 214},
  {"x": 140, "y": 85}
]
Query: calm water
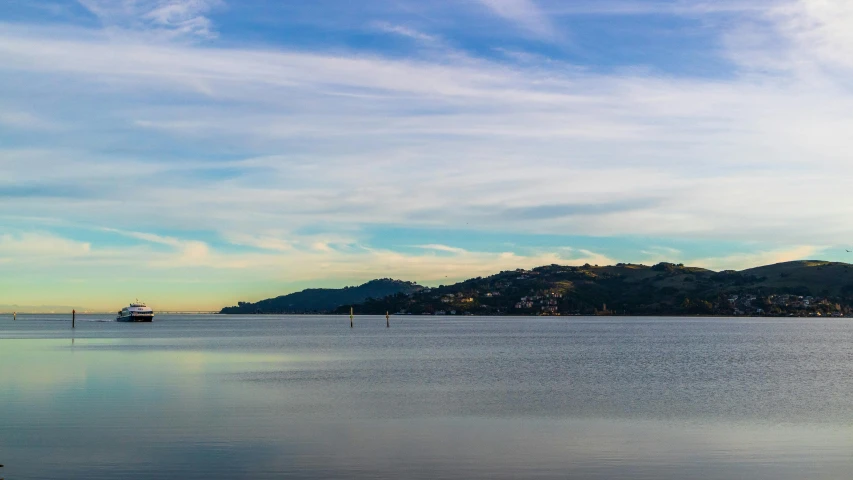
[{"x": 306, "y": 397}]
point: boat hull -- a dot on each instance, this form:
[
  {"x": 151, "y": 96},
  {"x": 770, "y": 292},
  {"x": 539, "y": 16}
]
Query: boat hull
[{"x": 135, "y": 319}]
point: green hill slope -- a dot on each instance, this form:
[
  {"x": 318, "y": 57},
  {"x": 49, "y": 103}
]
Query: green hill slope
[
  {"x": 816, "y": 277},
  {"x": 318, "y": 300},
  {"x": 791, "y": 288}
]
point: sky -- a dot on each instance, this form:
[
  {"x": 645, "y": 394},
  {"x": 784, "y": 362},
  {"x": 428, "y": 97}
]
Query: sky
[{"x": 193, "y": 153}]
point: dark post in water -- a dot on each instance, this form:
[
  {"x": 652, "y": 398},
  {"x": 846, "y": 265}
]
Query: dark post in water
[
  {"x": 387, "y": 321},
  {"x": 350, "y": 317},
  {"x": 73, "y": 317}
]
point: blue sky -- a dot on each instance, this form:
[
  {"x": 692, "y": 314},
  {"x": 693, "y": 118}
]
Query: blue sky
[{"x": 198, "y": 152}]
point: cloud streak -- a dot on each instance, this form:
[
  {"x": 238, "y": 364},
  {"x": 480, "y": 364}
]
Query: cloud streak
[
  {"x": 172, "y": 18},
  {"x": 442, "y": 248},
  {"x": 405, "y": 31},
  {"x": 41, "y": 245},
  {"x": 524, "y": 13},
  {"x": 600, "y": 143}
]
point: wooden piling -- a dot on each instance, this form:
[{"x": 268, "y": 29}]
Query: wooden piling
[
  {"x": 14, "y": 317},
  {"x": 387, "y": 320},
  {"x": 350, "y": 317},
  {"x": 73, "y": 318}
]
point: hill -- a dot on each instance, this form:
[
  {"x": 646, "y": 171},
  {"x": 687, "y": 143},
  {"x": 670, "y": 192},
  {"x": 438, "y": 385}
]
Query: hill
[
  {"x": 791, "y": 288},
  {"x": 815, "y": 277},
  {"x": 319, "y": 300}
]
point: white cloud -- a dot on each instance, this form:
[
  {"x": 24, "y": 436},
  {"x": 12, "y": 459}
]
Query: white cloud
[
  {"x": 24, "y": 120},
  {"x": 148, "y": 237},
  {"x": 189, "y": 262},
  {"x": 322, "y": 247},
  {"x": 171, "y": 17},
  {"x": 364, "y": 263},
  {"x": 26, "y": 246},
  {"x": 189, "y": 252},
  {"x": 807, "y": 40},
  {"x": 442, "y": 248},
  {"x": 690, "y": 8},
  {"x": 526, "y": 13},
  {"x": 264, "y": 242},
  {"x": 745, "y": 260},
  {"x": 657, "y": 254},
  {"x": 497, "y": 138},
  {"x": 819, "y": 30},
  {"x": 405, "y": 31}
]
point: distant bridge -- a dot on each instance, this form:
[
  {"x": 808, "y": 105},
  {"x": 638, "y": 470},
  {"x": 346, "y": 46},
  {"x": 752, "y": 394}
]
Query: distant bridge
[{"x": 185, "y": 312}]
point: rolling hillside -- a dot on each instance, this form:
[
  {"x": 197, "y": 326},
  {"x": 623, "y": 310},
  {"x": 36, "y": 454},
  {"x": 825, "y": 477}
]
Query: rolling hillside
[
  {"x": 791, "y": 288},
  {"x": 319, "y": 300}
]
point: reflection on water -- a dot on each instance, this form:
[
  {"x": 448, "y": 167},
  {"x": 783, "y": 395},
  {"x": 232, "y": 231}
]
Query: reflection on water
[{"x": 306, "y": 397}]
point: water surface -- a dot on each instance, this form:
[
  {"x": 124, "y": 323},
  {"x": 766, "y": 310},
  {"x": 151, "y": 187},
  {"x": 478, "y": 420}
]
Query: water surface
[{"x": 431, "y": 397}]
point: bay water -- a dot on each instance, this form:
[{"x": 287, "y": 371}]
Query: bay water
[{"x": 307, "y": 397}]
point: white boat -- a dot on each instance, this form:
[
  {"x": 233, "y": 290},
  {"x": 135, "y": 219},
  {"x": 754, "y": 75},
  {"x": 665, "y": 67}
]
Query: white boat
[{"x": 136, "y": 312}]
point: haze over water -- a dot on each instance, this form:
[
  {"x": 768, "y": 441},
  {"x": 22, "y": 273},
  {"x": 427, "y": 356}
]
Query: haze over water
[{"x": 307, "y": 397}]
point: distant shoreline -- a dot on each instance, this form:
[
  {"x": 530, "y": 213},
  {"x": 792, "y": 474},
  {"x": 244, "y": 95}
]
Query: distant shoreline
[{"x": 515, "y": 315}]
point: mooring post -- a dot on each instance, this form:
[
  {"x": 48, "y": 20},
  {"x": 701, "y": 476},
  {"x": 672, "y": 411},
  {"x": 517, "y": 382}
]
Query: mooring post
[
  {"x": 73, "y": 317},
  {"x": 14, "y": 316},
  {"x": 350, "y": 317},
  {"x": 387, "y": 321}
]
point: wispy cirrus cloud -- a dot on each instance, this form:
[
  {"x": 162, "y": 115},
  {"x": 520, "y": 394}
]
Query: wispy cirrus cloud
[
  {"x": 442, "y": 248},
  {"x": 405, "y": 31},
  {"x": 40, "y": 244},
  {"x": 171, "y": 17},
  {"x": 189, "y": 252},
  {"x": 148, "y": 237},
  {"x": 263, "y": 242},
  {"x": 24, "y": 120},
  {"x": 691, "y": 8},
  {"x": 602, "y": 141},
  {"x": 818, "y": 32},
  {"x": 526, "y": 14}
]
